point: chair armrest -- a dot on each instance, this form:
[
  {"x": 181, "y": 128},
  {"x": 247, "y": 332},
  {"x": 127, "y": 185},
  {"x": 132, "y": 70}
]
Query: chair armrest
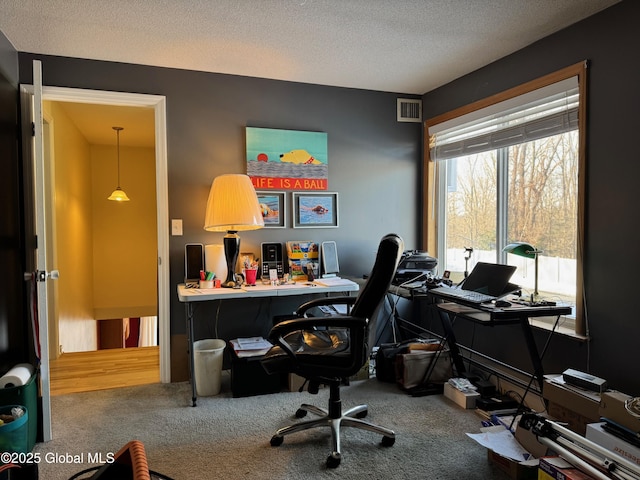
[{"x": 317, "y": 302}]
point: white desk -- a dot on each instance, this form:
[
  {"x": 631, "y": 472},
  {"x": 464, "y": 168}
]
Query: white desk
[{"x": 189, "y": 296}]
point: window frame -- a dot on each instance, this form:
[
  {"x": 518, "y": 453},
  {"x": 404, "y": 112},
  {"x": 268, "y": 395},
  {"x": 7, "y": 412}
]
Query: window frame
[{"x": 430, "y": 187}]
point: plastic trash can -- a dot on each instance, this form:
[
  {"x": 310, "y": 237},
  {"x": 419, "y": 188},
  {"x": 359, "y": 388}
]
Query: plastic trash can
[
  {"x": 14, "y": 435},
  {"x": 208, "y": 366}
]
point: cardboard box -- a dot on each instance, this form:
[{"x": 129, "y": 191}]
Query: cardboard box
[
  {"x": 598, "y": 435},
  {"x": 362, "y": 374},
  {"x": 612, "y": 407},
  {"x": 294, "y": 382},
  {"x": 556, "y": 468},
  {"x": 515, "y": 470},
  {"x": 462, "y": 399},
  {"x": 544, "y": 476},
  {"x": 520, "y": 470},
  {"x": 571, "y": 406}
]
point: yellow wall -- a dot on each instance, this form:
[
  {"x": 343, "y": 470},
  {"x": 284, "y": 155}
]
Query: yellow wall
[
  {"x": 124, "y": 233},
  {"x": 72, "y": 232},
  {"x": 106, "y": 251}
]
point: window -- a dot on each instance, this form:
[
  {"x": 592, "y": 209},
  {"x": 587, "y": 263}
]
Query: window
[{"x": 509, "y": 169}]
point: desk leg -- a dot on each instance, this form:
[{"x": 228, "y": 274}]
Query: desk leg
[
  {"x": 533, "y": 351},
  {"x": 450, "y": 338},
  {"x": 192, "y": 377}
]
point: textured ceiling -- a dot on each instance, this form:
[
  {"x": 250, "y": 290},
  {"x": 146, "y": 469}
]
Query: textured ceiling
[{"x": 402, "y": 46}]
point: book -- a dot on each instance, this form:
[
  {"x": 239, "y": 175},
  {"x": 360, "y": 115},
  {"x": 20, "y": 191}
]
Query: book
[
  {"x": 304, "y": 264},
  {"x": 250, "y": 347},
  {"x": 556, "y": 468}
]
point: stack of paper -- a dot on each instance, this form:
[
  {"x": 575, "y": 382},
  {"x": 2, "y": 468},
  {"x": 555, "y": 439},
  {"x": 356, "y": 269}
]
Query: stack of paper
[
  {"x": 333, "y": 281},
  {"x": 251, "y": 346}
]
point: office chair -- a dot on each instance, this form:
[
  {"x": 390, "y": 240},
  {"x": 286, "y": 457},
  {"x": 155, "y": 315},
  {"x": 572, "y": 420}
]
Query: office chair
[{"x": 328, "y": 350}]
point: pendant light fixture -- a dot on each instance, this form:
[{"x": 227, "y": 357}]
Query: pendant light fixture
[{"x": 118, "y": 194}]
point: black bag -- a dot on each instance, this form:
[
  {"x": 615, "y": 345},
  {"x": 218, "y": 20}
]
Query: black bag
[
  {"x": 423, "y": 367},
  {"x": 386, "y": 359}
]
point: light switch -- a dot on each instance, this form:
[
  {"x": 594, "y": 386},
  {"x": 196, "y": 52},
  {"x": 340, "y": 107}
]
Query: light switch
[{"x": 176, "y": 226}]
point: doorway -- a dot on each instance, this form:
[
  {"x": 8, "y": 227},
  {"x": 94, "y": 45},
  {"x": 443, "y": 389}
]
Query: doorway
[{"x": 93, "y": 114}]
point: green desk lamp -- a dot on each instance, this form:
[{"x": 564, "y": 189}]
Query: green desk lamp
[{"x": 523, "y": 249}]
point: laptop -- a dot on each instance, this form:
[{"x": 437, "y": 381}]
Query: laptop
[{"x": 485, "y": 283}]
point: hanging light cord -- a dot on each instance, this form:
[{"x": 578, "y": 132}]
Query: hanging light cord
[{"x": 117, "y": 129}]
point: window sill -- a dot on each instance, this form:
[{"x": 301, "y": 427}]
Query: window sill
[{"x": 547, "y": 325}]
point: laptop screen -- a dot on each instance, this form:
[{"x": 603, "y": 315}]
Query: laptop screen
[{"x": 489, "y": 278}]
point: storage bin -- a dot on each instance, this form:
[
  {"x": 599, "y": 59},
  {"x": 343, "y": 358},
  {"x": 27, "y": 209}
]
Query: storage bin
[
  {"x": 26, "y": 395},
  {"x": 14, "y": 435}
]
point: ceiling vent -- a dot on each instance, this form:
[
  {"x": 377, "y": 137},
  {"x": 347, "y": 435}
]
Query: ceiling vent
[{"x": 409, "y": 110}]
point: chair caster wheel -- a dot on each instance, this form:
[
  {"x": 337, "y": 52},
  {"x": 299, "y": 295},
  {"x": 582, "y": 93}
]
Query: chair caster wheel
[
  {"x": 276, "y": 441},
  {"x": 388, "y": 441},
  {"x": 333, "y": 460},
  {"x": 362, "y": 414},
  {"x": 300, "y": 413}
]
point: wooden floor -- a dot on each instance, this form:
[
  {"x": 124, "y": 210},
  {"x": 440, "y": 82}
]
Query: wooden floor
[{"x": 104, "y": 369}]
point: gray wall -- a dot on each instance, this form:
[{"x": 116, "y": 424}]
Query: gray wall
[
  {"x": 374, "y": 161},
  {"x": 610, "y": 41}
]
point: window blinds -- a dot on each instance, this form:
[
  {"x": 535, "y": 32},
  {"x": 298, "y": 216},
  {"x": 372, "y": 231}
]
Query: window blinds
[{"x": 547, "y": 111}]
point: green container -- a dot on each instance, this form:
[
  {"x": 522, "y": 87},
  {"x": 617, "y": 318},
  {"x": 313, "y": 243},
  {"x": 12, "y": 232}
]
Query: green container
[
  {"x": 14, "y": 436},
  {"x": 26, "y": 395}
]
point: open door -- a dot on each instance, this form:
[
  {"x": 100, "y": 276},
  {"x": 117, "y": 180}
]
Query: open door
[
  {"x": 33, "y": 152},
  {"x": 34, "y": 159}
]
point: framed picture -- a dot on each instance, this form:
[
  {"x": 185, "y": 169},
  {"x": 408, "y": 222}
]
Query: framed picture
[
  {"x": 315, "y": 210},
  {"x": 287, "y": 159},
  {"x": 274, "y": 208}
]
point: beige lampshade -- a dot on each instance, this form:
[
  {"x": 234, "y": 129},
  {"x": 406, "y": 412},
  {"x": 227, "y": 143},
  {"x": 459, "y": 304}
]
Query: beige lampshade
[{"x": 232, "y": 205}]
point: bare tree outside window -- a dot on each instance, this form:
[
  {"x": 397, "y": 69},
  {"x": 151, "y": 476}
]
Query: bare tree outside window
[{"x": 541, "y": 208}]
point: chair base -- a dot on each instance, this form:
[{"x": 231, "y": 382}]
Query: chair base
[{"x": 334, "y": 420}]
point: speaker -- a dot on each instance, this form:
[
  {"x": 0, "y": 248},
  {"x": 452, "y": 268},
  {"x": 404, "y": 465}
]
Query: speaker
[
  {"x": 329, "y": 258},
  {"x": 193, "y": 263}
]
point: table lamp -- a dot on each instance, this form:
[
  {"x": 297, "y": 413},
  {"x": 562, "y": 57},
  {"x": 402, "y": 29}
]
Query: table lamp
[
  {"x": 523, "y": 249},
  {"x": 232, "y": 206}
]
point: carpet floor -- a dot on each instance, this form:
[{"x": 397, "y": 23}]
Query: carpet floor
[{"x": 226, "y": 437}]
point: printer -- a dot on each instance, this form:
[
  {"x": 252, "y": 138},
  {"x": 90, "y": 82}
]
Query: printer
[{"x": 415, "y": 263}]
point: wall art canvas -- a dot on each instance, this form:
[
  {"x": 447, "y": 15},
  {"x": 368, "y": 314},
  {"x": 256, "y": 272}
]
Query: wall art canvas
[{"x": 287, "y": 159}]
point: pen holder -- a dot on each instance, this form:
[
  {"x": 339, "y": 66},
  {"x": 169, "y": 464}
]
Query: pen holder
[
  {"x": 206, "y": 283},
  {"x": 250, "y": 275}
]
